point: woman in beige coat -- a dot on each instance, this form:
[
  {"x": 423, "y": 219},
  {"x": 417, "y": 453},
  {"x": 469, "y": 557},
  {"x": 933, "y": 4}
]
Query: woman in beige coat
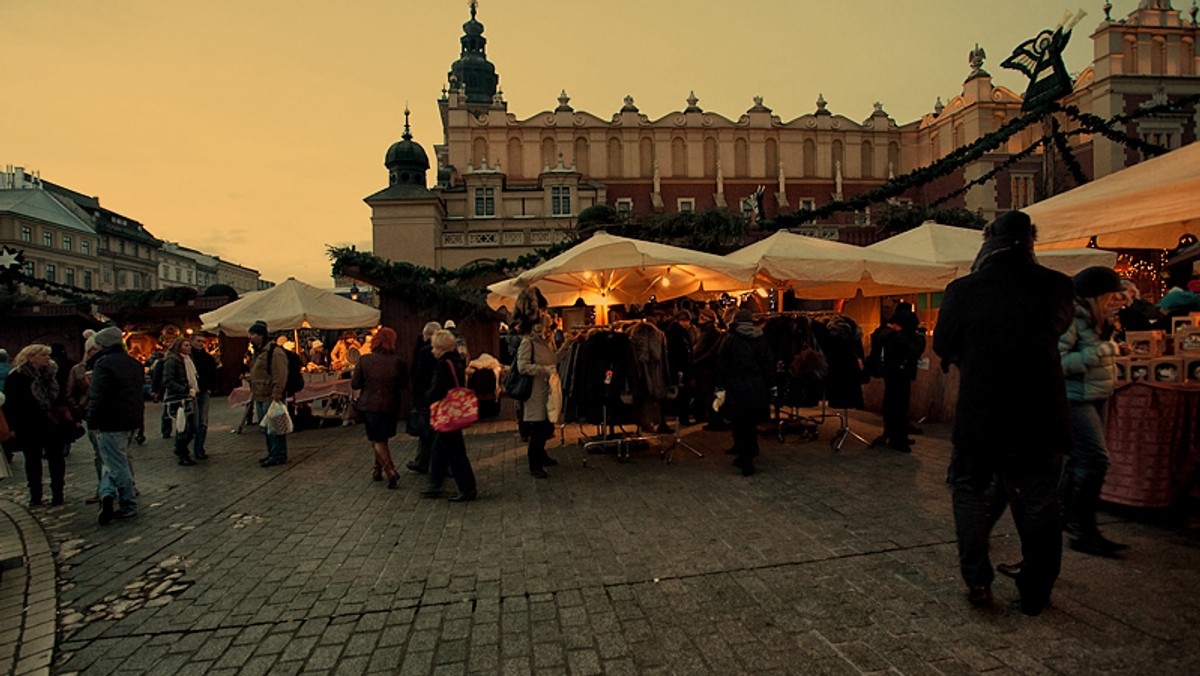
[{"x": 538, "y": 358}]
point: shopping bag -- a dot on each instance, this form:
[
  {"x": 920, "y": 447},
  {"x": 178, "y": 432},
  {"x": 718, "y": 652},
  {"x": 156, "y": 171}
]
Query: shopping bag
[
  {"x": 180, "y": 418},
  {"x": 459, "y": 409},
  {"x": 554, "y": 400},
  {"x": 276, "y": 420}
]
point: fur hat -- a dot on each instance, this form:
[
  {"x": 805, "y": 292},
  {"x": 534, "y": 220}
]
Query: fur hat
[
  {"x": 259, "y": 327},
  {"x": 683, "y": 316},
  {"x": 1097, "y": 281},
  {"x": 904, "y": 317},
  {"x": 108, "y": 337}
]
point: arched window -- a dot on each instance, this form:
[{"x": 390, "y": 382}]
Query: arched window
[
  {"x": 549, "y": 154},
  {"x": 1158, "y": 56},
  {"x": 516, "y": 158},
  {"x": 582, "y": 157},
  {"x": 1129, "y": 55},
  {"x": 479, "y": 151},
  {"x": 741, "y": 158},
  {"x": 679, "y": 158},
  {"x": 710, "y": 157},
  {"x": 646, "y": 156},
  {"x": 868, "y": 159},
  {"x": 810, "y": 158},
  {"x": 615, "y": 164},
  {"x": 772, "y": 159}
]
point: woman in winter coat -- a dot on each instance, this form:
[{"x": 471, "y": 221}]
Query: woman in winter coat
[
  {"x": 381, "y": 376},
  {"x": 449, "y": 448},
  {"x": 745, "y": 368},
  {"x": 1087, "y": 352},
  {"x": 180, "y": 385},
  {"x": 536, "y": 357},
  {"x": 31, "y": 393}
]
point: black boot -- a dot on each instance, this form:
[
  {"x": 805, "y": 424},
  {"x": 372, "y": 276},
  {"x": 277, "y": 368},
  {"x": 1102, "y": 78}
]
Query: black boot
[{"x": 1081, "y": 520}]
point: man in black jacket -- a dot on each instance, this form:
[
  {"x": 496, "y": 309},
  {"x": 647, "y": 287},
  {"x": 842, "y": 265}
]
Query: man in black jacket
[
  {"x": 896, "y": 347},
  {"x": 115, "y": 413},
  {"x": 1001, "y": 325},
  {"x": 206, "y": 380}
]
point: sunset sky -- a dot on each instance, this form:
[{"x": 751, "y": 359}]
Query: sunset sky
[{"x": 253, "y": 129}]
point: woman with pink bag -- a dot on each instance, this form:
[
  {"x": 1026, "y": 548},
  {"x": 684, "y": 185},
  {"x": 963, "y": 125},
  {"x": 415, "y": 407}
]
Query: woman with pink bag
[{"x": 449, "y": 448}]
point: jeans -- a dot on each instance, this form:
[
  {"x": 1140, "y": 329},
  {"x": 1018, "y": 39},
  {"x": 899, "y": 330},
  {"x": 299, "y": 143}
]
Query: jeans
[
  {"x": 450, "y": 449},
  {"x": 201, "y": 422},
  {"x": 116, "y": 475},
  {"x": 1029, "y": 479},
  {"x": 1088, "y": 457},
  {"x": 52, "y": 452},
  {"x": 276, "y": 443}
]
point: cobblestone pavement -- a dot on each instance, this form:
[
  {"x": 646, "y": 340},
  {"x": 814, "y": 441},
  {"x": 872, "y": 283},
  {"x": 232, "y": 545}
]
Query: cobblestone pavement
[{"x": 822, "y": 563}]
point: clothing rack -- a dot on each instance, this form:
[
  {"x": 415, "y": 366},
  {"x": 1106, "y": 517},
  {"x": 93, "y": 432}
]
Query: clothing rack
[{"x": 610, "y": 435}]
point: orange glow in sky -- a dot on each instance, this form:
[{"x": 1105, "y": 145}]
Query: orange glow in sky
[{"x": 252, "y": 130}]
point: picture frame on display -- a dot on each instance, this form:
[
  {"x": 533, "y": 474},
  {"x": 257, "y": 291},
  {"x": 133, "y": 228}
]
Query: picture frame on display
[
  {"x": 1139, "y": 371},
  {"x": 1145, "y": 344},
  {"x": 1167, "y": 370},
  {"x": 1122, "y": 366}
]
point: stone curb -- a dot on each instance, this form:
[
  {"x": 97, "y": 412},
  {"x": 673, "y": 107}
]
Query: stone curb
[{"x": 28, "y": 593}]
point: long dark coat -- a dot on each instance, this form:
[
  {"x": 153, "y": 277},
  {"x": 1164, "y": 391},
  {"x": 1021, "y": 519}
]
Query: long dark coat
[
  {"x": 745, "y": 369},
  {"x": 1001, "y": 326}
]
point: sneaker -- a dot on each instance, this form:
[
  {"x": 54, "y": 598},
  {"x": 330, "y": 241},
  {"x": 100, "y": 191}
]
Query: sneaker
[
  {"x": 272, "y": 463},
  {"x": 106, "y": 510},
  {"x": 539, "y": 474},
  {"x": 1012, "y": 570},
  {"x": 124, "y": 514}
]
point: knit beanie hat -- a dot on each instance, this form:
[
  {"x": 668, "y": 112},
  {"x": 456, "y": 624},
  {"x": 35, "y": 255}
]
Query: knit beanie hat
[
  {"x": 108, "y": 337},
  {"x": 1097, "y": 281},
  {"x": 743, "y": 316},
  {"x": 259, "y": 327}
]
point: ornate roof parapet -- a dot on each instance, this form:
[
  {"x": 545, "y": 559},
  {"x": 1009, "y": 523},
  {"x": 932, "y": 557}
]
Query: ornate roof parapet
[
  {"x": 758, "y": 106},
  {"x": 629, "y": 107},
  {"x": 692, "y": 101},
  {"x": 564, "y": 103}
]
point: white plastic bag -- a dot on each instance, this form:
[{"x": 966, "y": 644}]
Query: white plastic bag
[
  {"x": 180, "y": 418},
  {"x": 276, "y": 420},
  {"x": 718, "y": 400},
  {"x": 554, "y": 399}
]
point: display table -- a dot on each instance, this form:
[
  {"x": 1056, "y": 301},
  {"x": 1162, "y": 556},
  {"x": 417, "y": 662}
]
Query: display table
[
  {"x": 312, "y": 391},
  {"x": 1153, "y": 439}
]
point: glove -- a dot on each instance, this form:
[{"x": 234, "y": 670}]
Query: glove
[{"x": 719, "y": 400}]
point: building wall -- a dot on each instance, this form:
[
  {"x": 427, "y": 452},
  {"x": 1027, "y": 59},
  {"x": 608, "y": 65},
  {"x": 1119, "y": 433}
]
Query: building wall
[{"x": 63, "y": 263}]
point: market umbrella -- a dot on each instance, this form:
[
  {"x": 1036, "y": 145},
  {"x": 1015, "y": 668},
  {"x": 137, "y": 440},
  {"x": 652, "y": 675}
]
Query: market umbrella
[
  {"x": 608, "y": 270},
  {"x": 1147, "y": 206},
  {"x": 290, "y": 305},
  {"x": 957, "y": 247},
  {"x": 819, "y": 269}
]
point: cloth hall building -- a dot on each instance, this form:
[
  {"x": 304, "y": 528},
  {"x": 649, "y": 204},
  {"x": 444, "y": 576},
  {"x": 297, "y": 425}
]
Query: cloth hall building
[{"x": 504, "y": 185}]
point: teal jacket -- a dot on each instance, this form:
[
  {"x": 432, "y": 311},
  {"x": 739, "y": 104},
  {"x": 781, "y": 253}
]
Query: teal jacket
[{"x": 1087, "y": 360}]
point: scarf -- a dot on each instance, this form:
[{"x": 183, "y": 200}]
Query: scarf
[{"x": 43, "y": 384}]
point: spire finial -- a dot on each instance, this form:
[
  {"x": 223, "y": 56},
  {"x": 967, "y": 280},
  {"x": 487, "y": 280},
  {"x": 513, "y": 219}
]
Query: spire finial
[
  {"x": 473, "y": 4},
  {"x": 407, "y": 134}
]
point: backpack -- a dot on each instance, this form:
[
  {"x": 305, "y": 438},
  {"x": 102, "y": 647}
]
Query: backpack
[{"x": 295, "y": 374}]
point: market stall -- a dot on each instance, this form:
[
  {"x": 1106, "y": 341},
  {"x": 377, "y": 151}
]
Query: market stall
[{"x": 1153, "y": 436}]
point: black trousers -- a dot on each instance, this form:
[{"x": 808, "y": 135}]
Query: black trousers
[
  {"x": 53, "y": 453},
  {"x": 450, "y": 450},
  {"x": 540, "y": 431},
  {"x": 745, "y": 438},
  {"x": 897, "y": 393},
  {"x": 981, "y": 481}
]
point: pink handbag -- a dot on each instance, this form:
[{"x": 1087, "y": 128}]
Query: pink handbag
[{"x": 459, "y": 409}]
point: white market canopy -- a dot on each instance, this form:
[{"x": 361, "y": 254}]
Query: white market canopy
[
  {"x": 290, "y": 305},
  {"x": 1147, "y": 206},
  {"x": 819, "y": 269},
  {"x": 957, "y": 247},
  {"x": 610, "y": 270}
]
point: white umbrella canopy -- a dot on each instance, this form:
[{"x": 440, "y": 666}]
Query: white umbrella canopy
[
  {"x": 957, "y": 247},
  {"x": 290, "y": 305},
  {"x": 819, "y": 269},
  {"x": 1147, "y": 206},
  {"x": 609, "y": 270}
]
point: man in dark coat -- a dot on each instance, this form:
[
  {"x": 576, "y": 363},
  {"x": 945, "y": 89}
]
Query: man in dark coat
[
  {"x": 744, "y": 369},
  {"x": 896, "y": 347},
  {"x": 115, "y": 413},
  {"x": 422, "y": 377},
  {"x": 206, "y": 379},
  {"x": 679, "y": 362},
  {"x": 1000, "y": 325}
]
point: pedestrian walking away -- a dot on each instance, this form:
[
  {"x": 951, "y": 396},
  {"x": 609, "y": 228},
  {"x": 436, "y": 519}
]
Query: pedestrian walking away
[
  {"x": 381, "y": 375},
  {"x": 449, "y": 448},
  {"x": 116, "y": 410}
]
